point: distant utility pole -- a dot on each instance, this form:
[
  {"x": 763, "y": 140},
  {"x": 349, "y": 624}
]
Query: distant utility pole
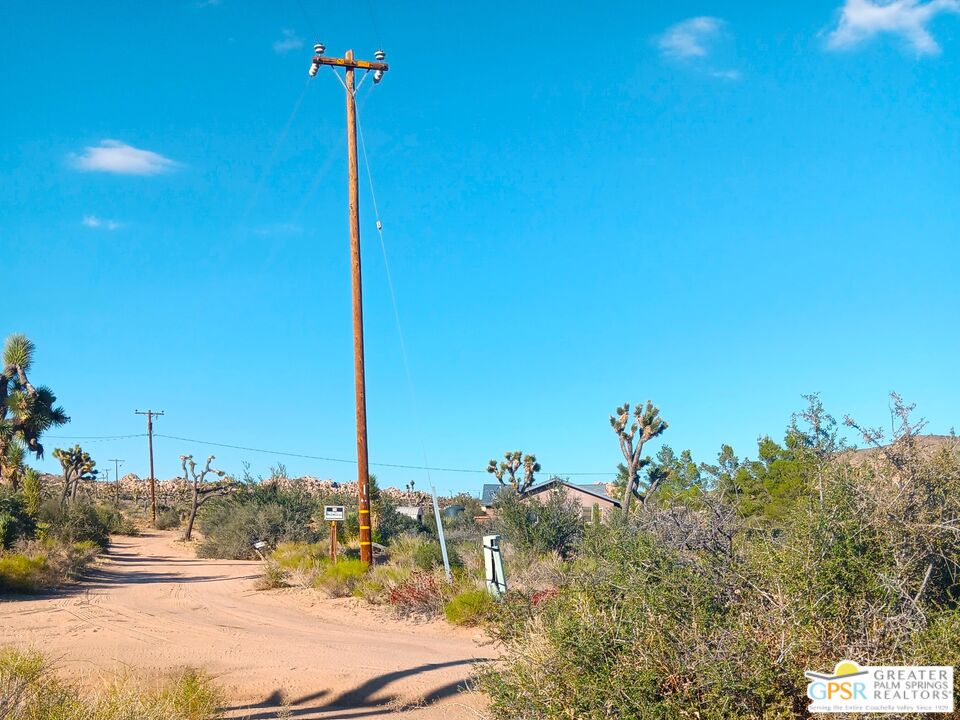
[
  {"x": 116, "y": 476},
  {"x": 153, "y": 482},
  {"x": 116, "y": 468},
  {"x": 350, "y": 66}
]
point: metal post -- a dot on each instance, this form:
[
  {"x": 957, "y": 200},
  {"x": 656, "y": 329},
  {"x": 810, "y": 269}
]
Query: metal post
[{"x": 443, "y": 540}]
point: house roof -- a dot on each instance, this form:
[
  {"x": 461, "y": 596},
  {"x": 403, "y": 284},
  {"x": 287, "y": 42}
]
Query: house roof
[{"x": 598, "y": 490}]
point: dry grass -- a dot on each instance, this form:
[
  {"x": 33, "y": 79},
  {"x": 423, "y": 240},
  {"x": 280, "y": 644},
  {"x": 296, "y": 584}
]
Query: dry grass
[{"x": 30, "y": 690}]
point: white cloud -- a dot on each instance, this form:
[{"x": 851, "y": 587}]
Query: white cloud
[
  {"x": 289, "y": 42},
  {"x": 92, "y": 221},
  {"x": 693, "y": 41},
  {"x": 691, "y": 38},
  {"x": 860, "y": 20},
  {"x": 114, "y": 156}
]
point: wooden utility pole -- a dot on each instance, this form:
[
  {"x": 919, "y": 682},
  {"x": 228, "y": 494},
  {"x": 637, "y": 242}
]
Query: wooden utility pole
[
  {"x": 153, "y": 482},
  {"x": 116, "y": 475},
  {"x": 363, "y": 473}
]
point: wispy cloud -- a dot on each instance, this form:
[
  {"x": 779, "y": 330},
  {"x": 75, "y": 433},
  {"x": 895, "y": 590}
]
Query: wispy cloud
[
  {"x": 693, "y": 42},
  {"x": 92, "y": 221},
  {"x": 288, "y": 42},
  {"x": 113, "y": 156},
  {"x": 861, "y": 20},
  {"x": 691, "y": 38},
  {"x": 277, "y": 229}
]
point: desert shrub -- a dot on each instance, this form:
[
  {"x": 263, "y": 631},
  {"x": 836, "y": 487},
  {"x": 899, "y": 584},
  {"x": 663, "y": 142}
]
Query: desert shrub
[
  {"x": 428, "y": 555},
  {"x": 30, "y": 690},
  {"x": 115, "y": 521},
  {"x": 469, "y": 607},
  {"x": 16, "y": 521},
  {"x": 379, "y": 581},
  {"x": 531, "y": 525},
  {"x": 39, "y": 565},
  {"x": 301, "y": 563},
  {"x": 390, "y": 522},
  {"x": 168, "y": 519},
  {"x": 75, "y": 521},
  {"x": 404, "y": 549},
  {"x": 651, "y": 623},
  {"x": 23, "y": 573},
  {"x": 421, "y": 593},
  {"x": 339, "y": 579},
  {"x": 231, "y": 526},
  {"x": 273, "y": 577}
]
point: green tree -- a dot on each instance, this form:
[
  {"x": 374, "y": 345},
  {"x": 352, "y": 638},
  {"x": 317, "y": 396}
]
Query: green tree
[{"x": 26, "y": 412}]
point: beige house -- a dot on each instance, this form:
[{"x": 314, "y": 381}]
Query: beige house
[{"x": 587, "y": 495}]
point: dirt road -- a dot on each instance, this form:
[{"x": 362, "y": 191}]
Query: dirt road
[{"x": 151, "y": 606}]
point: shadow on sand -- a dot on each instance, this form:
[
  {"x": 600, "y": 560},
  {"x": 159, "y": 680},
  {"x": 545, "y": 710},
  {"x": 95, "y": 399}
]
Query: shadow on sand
[{"x": 363, "y": 701}]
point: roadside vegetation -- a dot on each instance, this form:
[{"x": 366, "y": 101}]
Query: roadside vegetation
[
  {"x": 718, "y": 594},
  {"x": 30, "y": 690},
  {"x": 49, "y": 531}
]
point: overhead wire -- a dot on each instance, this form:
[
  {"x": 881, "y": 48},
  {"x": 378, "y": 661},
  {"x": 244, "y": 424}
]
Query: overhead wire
[
  {"x": 305, "y": 456},
  {"x": 274, "y": 154}
]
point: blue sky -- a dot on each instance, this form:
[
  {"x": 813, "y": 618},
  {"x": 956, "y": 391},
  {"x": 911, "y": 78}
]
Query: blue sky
[{"x": 716, "y": 205}]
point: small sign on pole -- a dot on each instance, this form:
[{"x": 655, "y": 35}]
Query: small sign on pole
[{"x": 333, "y": 512}]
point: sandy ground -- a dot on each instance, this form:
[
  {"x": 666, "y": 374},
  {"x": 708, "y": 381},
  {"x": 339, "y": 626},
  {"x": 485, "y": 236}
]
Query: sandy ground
[{"x": 150, "y": 606}]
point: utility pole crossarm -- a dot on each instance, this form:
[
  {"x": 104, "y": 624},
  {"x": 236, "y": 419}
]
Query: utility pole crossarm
[{"x": 350, "y": 63}]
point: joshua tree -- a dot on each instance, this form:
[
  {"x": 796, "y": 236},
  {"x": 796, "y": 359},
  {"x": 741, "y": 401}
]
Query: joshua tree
[
  {"x": 25, "y": 411},
  {"x": 645, "y": 420},
  {"x": 203, "y": 491},
  {"x": 78, "y": 467},
  {"x": 506, "y": 471}
]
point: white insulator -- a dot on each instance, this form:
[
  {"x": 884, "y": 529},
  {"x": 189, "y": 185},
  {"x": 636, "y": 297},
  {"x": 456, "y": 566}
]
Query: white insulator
[
  {"x": 379, "y": 225},
  {"x": 319, "y": 48},
  {"x": 377, "y": 76},
  {"x": 313, "y": 69},
  {"x": 380, "y": 55}
]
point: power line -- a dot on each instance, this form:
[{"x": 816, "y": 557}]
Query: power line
[
  {"x": 284, "y": 453},
  {"x": 353, "y": 462},
  {"x": 95, "y": 438}
]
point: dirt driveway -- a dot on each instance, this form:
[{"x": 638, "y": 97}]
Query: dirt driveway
[{"x": 151, "y": 606}]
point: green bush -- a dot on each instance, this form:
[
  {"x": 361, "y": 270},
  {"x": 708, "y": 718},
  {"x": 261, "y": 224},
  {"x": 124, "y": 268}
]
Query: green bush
[
  {"x": 115, "y": 521},
  {"x": 31, "y": 690},
  {"x": 530, "y": 525},
  {"x": 679, "y": 612},
  {"x": 40, "y": 565},
  {"x": 379, "y": 581},
  {"x": 16, "y": 523},
  {"x": 428, "y": 555},
  {"x": 168, "y": 519},
  {"x": 76, "y": 521},
  {"x": 23, "y": 573},
  {"x": 469, "y": 607},
  {"x": 231, "y": 526},
  {"x": 339, "y": 579}
]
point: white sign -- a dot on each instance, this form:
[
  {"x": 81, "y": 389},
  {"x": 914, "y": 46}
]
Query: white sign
[
  {"x": 333, "y": 512},
  {"x": 853, "y": 688}
]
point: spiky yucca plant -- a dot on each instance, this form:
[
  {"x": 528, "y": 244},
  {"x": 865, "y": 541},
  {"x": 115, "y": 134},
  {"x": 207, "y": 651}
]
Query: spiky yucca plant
[{"x": 26, "y": 412}]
